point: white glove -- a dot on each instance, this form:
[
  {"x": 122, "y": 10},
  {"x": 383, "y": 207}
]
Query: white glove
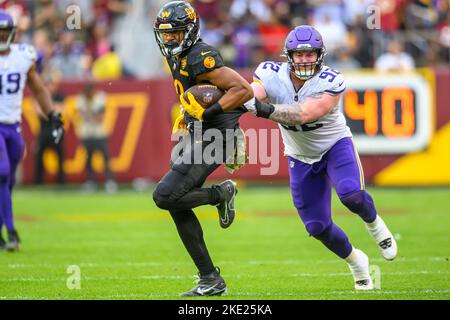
[{"x": 250, "y": 106}]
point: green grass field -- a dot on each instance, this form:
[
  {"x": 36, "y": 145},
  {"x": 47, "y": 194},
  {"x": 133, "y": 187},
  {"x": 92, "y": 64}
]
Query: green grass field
[{"x": 128, "y": 249}]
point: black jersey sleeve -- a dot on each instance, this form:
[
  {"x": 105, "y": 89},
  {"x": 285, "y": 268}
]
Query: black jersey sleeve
[{"x": 206, "y": 60}]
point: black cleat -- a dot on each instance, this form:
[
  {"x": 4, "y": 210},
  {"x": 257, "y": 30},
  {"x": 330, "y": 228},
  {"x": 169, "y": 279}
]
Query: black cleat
[
  {"x": 2, "y": 243},
  {"x": 226, "y": 208},
  {"x": 13, "y": 241},
  {"x": 208, "y": 285}
]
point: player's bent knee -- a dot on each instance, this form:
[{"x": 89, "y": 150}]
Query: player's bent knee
[
  {"x": 161, "y": 197},
  {"x": 315, "y": 228},
  {"x": 354, "y": 201},
  {"x": 161, "y": 202},
  {"x": 347, "y": 186}
]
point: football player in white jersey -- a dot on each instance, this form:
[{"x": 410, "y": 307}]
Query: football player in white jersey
[
  {"x": 17, "y": 69},
  {"x": 302, "y": 95}
]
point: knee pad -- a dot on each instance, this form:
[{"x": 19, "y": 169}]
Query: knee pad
[
  {"x": 4, "y": 177},
  {"x": 325, "y": 233},
  {"x": 315, "y": 228},
  {"x": 347, "y": 186},
  {"x": 170, "y": 187},
  {"x": 4, "y": 168},
  {"x": 161, "y": 196},
  {"x": 361, "y": 203},
  {"x": 355, "y": 201}
]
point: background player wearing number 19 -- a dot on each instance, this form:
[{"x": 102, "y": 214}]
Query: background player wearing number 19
[
  {"x": 17, "y": 69},
  {"x": 319, "y": 146}
]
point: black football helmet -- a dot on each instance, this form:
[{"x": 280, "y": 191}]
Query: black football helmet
[{"x": 177, "y": 16}]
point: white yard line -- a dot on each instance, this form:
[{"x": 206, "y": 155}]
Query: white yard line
[
  {"x": 253, "y": 262},
  {"x": 238, "y": 294},
  {"x": 230, "y": 276}
]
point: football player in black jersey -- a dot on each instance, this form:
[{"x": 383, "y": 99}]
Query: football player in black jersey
[{"x": 192, "y": 61}]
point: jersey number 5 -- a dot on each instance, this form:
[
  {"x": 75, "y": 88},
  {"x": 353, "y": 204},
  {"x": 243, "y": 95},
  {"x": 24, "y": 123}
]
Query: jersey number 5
[{"x": 13, "y": 81}]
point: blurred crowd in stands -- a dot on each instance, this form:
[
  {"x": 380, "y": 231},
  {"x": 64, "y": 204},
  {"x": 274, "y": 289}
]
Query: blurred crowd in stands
[
  {"x": 95, "y": 40},
  {"x": 386, "y": 34},
  {"x": 116, "y": 39}
]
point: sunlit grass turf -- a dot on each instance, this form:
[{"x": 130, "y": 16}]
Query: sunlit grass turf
[{"x": 126, "y": 248}]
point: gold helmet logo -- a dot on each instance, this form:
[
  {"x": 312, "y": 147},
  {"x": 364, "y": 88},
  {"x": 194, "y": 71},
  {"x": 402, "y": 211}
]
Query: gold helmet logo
[
  {"x": 165, "y": 14},
  {"x": 191, "y": 13}
]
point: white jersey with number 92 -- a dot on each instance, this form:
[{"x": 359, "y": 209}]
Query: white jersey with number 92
[{"x": 308, "y": 142}]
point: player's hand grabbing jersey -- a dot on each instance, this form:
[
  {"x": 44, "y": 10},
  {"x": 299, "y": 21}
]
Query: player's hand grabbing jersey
[
  {"x": 310, "y": 141},
  {"x": 14, "y": 68},
  {"x": 199, "y": 59}
]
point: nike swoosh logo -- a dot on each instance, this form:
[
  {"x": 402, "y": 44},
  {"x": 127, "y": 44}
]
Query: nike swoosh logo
[
  {"x": 340, "y": 84},
  {"x": 203, "y": 291},
  {"x": 226, "y": 220},
  {"x": 203, "y": 53}
]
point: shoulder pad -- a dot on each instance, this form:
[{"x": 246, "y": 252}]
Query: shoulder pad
[
  {"x": 331, "y": 81},
  {"x": 266, "y": 70},
  {"x": 204, "y": 60},
  {"x": 28, "y": 51},
  {"x": 199, "y": 53}
]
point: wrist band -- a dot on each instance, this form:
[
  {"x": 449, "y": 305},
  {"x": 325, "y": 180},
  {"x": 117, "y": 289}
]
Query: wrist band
[
  {"x": 212, "y": 111},
  {"x": 264, "y": 110}
]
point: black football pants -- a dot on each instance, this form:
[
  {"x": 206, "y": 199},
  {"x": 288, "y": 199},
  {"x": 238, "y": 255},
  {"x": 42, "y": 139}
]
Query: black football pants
[{"x": 180, "y": 190}]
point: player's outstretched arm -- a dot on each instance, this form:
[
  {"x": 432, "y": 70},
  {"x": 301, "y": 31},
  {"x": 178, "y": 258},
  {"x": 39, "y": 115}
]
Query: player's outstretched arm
[{"x": 293, "y": 114}]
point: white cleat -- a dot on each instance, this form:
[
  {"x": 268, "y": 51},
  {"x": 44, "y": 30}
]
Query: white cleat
[
  {"x": 383, "y": 237},
  {"x": 359, "y": 266}
]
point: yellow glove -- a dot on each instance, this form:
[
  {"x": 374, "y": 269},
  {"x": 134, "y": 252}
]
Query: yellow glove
[
  {"x": 192, "y": 106},
  {"x": 179, "y": 126}
]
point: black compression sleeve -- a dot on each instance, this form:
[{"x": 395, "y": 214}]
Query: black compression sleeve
[
  {"x": 263, "y": 110},
  {"x": 212, "y": 111}
]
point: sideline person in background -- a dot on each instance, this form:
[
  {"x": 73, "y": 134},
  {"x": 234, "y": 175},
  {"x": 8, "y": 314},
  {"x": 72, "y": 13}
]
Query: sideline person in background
[{"x": 91, "y": 105}]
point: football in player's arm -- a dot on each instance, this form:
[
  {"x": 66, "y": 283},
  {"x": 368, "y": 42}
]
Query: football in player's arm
[
  {"x": 237, "y": 93},
  {"x": 302, "y": 95},
  {"x": 191, "y": 62}
]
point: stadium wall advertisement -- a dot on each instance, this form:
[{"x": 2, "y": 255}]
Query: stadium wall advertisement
[{"x": 401, "y": 127}]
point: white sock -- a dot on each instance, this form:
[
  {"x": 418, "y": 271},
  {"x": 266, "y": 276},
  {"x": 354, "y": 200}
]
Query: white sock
[
  {"x": 352, "y": 257},
  {"x": 374, "y": 223}
]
